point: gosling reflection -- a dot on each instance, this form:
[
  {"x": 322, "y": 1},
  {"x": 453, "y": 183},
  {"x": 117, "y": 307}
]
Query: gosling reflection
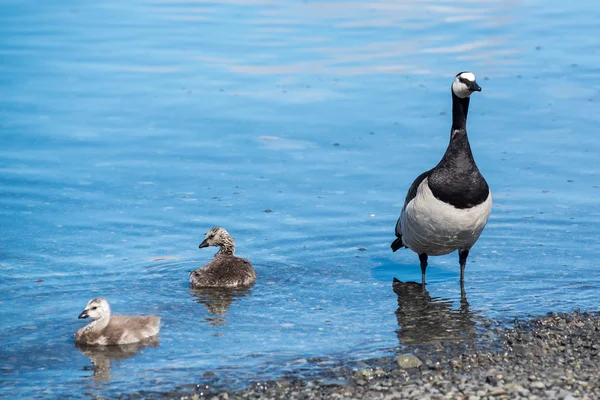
[
  {"x": 424, "y": 319},
  {"x": 218, "y": 300},
  {"x": 101, "y": 356}
]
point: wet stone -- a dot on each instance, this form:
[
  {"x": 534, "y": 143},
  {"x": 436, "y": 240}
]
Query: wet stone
[
  {"x": 408, "y": 361},
  {"x": 537, "y": 385}
]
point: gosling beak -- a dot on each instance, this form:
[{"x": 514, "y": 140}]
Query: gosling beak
[
  {"x": 474, "y": 87},
  {"x": 203, "y": 244},
  {"x": 83, "y": 315}
]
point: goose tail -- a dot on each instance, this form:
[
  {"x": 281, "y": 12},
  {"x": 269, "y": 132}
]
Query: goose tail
[{"x": 397, "y": 244}]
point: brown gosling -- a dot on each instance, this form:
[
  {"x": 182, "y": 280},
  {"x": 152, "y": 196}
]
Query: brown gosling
[{"x": 225, "y": 270}]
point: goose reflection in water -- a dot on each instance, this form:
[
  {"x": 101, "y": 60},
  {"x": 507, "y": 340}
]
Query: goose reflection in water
[
  {"x": 101, "y": 356},
  {"x": 217, "y": 301},
  {"x": 426, "y": 319}
]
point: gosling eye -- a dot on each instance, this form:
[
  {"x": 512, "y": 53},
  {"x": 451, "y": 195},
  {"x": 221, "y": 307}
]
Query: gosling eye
[{"x": 94, "y": 308}]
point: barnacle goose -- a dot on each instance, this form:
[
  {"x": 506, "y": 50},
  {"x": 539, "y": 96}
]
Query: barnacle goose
[{"x": 447, "y": 207}]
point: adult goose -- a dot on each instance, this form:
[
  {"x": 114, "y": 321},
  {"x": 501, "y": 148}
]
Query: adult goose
[
  {"x": 110, "y": 330},
  {"x": 225, "y": 269},
  {"x": 447, "y": 207}
]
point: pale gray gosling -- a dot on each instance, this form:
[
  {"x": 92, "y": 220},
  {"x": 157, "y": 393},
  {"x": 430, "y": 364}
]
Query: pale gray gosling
[
  {"x": 225, "y": 270},
  {"x": 110, "y": 330}
]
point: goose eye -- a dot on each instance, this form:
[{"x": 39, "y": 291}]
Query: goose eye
[{"x": 94, "y": 308}]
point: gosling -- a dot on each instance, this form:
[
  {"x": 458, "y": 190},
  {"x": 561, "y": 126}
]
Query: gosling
[
  {"x": 225, "y": 270},
  {"x": 111, "y": 330}
]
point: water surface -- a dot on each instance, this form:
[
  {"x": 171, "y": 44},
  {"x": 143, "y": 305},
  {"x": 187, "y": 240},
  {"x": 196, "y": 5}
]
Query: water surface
[{"x": 131, "y": 128}]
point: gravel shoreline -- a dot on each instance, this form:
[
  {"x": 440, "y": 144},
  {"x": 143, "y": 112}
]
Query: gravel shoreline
[{"x": 550, "y": 357}]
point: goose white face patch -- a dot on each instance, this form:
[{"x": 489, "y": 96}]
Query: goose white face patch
[
  {"x": 459, "y": 88},
  {"x": 468, "y": 76}
]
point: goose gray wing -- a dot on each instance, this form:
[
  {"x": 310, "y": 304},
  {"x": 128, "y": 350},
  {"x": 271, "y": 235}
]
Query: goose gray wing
[{"x": 412, "y": 193}]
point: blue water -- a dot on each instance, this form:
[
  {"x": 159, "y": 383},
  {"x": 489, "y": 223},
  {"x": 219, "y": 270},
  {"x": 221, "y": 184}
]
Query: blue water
[{"x": 128, "y": 129}]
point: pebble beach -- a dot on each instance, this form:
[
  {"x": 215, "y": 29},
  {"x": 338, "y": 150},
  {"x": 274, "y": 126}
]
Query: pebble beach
[{"x": 549, "y": 357}]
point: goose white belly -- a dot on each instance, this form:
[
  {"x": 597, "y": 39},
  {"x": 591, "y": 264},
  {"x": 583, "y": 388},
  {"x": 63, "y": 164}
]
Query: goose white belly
[{"x": 428, "y": 225}]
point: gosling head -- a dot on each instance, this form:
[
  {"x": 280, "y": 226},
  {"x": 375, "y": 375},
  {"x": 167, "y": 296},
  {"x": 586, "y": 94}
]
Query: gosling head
[
  {"x": 464, "y": 85},
  {"x": 218, "y": 237},
  {"x": 96, "y": 309}
]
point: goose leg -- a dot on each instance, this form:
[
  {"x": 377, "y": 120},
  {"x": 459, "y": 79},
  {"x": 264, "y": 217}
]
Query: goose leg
[
  {"x": 462, "y": 259},
  {"x": 423, "y": 259}
]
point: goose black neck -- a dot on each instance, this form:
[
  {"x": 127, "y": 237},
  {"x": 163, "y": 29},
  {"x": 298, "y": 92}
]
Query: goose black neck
[
  {"x": 460, "y": 108},
  {"x": 459, "y": 147}
]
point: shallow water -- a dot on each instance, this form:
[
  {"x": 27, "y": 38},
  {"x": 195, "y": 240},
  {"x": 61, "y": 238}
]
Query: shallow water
[{"x": 131, "y": 128}]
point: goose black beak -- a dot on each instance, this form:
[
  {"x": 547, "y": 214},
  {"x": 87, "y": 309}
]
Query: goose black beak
[
  {"x": 203, "y": 244},
  {"x": 83, "y": 315},
  {"x": 474, "y": 87}
]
